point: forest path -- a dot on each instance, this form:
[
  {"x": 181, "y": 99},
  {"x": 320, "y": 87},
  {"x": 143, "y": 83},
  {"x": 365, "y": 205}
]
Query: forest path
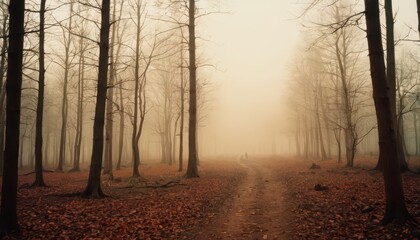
[{"x": 257, "y": 210}]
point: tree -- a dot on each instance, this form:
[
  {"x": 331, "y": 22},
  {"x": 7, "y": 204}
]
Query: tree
[
  {"x": 418, "y": 15},
  {"x": 192, "y": 169},
  {"x": 182, "y": 106},
  {"x": 139, "y": 95},
  {"x": 39, "y": 179},
  {"x": 110, "y": 99},
  {"x": 8, "y": 214},
  {"x": 64, "y": 103},
  {"x": 391, "y": 78},
  {"x": 2, "y": 90},
  {"x": 396, "y": 209},
  {"x": 80, "y": 102},
  {"x": 93, "y": 188}
]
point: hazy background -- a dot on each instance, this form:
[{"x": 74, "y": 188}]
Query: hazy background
[{"x": 252, "y": 47}]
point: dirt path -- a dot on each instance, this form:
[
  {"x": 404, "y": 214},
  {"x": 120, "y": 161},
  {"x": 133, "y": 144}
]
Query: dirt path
[{"x": 257, "y": 210}]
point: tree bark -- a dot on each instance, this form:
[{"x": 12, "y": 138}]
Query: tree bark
[
  {"x": 2, "y": 91},
  {"x": 8, "y": 214},
  {"x": 93, "y": 188},
  {"x": 110, "y": 100},
  {"x": 394, "y": 194},
  {"x": 192, "y": 169},
  {"x": 391, "y": 77},
  {"x": 80, "y": 99},
  {"x": 64, "y": 104},
  {"x": 121, "y": 136},
  {"x": 39, "y": 178},
  {"x": 181, "y": 125},
  {"x": 137, "y": 97},
  {"x": 418, "y": 16}
]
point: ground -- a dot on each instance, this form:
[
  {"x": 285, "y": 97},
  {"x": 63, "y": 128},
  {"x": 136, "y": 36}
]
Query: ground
[{"x": 257, "y": 198}]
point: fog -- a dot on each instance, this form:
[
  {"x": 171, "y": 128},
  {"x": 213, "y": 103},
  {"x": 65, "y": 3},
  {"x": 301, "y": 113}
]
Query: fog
[
  {"x": 255, "y": 58},
  {"x": 251, "y": 46}
]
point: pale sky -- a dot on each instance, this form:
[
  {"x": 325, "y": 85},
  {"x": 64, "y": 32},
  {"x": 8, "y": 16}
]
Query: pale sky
[{"x": 252, "y": 47}]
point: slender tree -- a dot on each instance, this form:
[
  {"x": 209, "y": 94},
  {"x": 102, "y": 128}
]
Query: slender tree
[
  {"x": 80, "y": 102},
  {"x": 396, "y": 209},
  {"x": 110, "y": 99},
  {"x": 391, "y": 78},
  {"x": 182, "y": 109},
  {"x": 192, "y": 169},
  {"x": 8, "y": 213},
  {"x": 64, "y": 103},
  {"x": 93, "y": 188},
  {"x": 39, "y": 178},
  {"x": 418, "y": 16},
  {"x": 2, "y": 90}
]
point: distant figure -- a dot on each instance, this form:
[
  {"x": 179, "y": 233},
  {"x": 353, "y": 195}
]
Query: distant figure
[{"x": 246, "y": 155}]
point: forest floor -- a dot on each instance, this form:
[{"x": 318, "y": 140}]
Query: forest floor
[{"x": 264, "y": 198}]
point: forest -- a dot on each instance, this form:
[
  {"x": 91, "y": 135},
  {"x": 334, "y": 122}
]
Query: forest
[{"x": 207, "y": 119}]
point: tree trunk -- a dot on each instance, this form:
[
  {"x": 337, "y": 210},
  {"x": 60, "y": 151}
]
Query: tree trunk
[
  {"x": 416, "y": 138},
  {"x": 418, "y": 16},
  {"x": 192, "y": 169},
  {"x": 394, "y": 194},
  {"x": 121, "y": 107},
  {"x": 39, "y": 178},
  {"x": 137, "y": 97},
  {"x": 21, "y": 150},
  {"x": 182, "y": 110},
  {"x": 64, "y": 103},
  {"x": 93, "y": 188},
  {"x": 321, "y": 138},
  {"x": 297, "y": 139},
  {"x": 174, "y": 139},
  {"x": 121, "y": 137},
  {"x": 110, "y": 101},
  {"x": 80, "y": 99},
  {"x": 2, "y": 91},
  {"x": 391, "y": 78},
  {"x": 8, "y": 214}
]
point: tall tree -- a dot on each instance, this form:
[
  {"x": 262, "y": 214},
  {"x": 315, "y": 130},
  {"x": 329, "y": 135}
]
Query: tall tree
[
  {"x": 8, "y": 214},
  {"x": 2, "y": 91},
  {"x": 110, "y": 98},
  {"x": 192, "y": 169},
  {"x": 396, "y": 209},
  {"x": 138, "y": 104},
  {"x": 391, "y": 78},
  {"x": 182, "y": 107},
  {"x": 80, "y": 102},
  {"x": 64, "y": 103},
  {"x": 39, "y": 178},
  {"x": 93, "y": 188},
  {"x": 418, "y": 16}
]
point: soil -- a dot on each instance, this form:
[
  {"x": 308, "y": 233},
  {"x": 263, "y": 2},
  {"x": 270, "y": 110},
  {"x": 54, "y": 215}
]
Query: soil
[{"x": 257, "y": 210}]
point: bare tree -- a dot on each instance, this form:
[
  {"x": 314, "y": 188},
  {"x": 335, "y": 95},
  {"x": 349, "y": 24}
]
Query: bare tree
[
  {"x": 8, "y": 213},
  {"x": 93, "y": 188},
  {"x": 391, "y": 78},
  {"x": 64, "y": 104},
  {"x": 192, "y": 169},
  {"x": 39, "y": 179},
  {"x": 396, "y": 209},
  {"x": 2, "y": 89}
]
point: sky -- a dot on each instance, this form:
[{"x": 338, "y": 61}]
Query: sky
[{"x": 251, "y": 48}]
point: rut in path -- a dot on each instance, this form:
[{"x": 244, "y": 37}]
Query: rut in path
[{"x": 257, "y": 210}]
